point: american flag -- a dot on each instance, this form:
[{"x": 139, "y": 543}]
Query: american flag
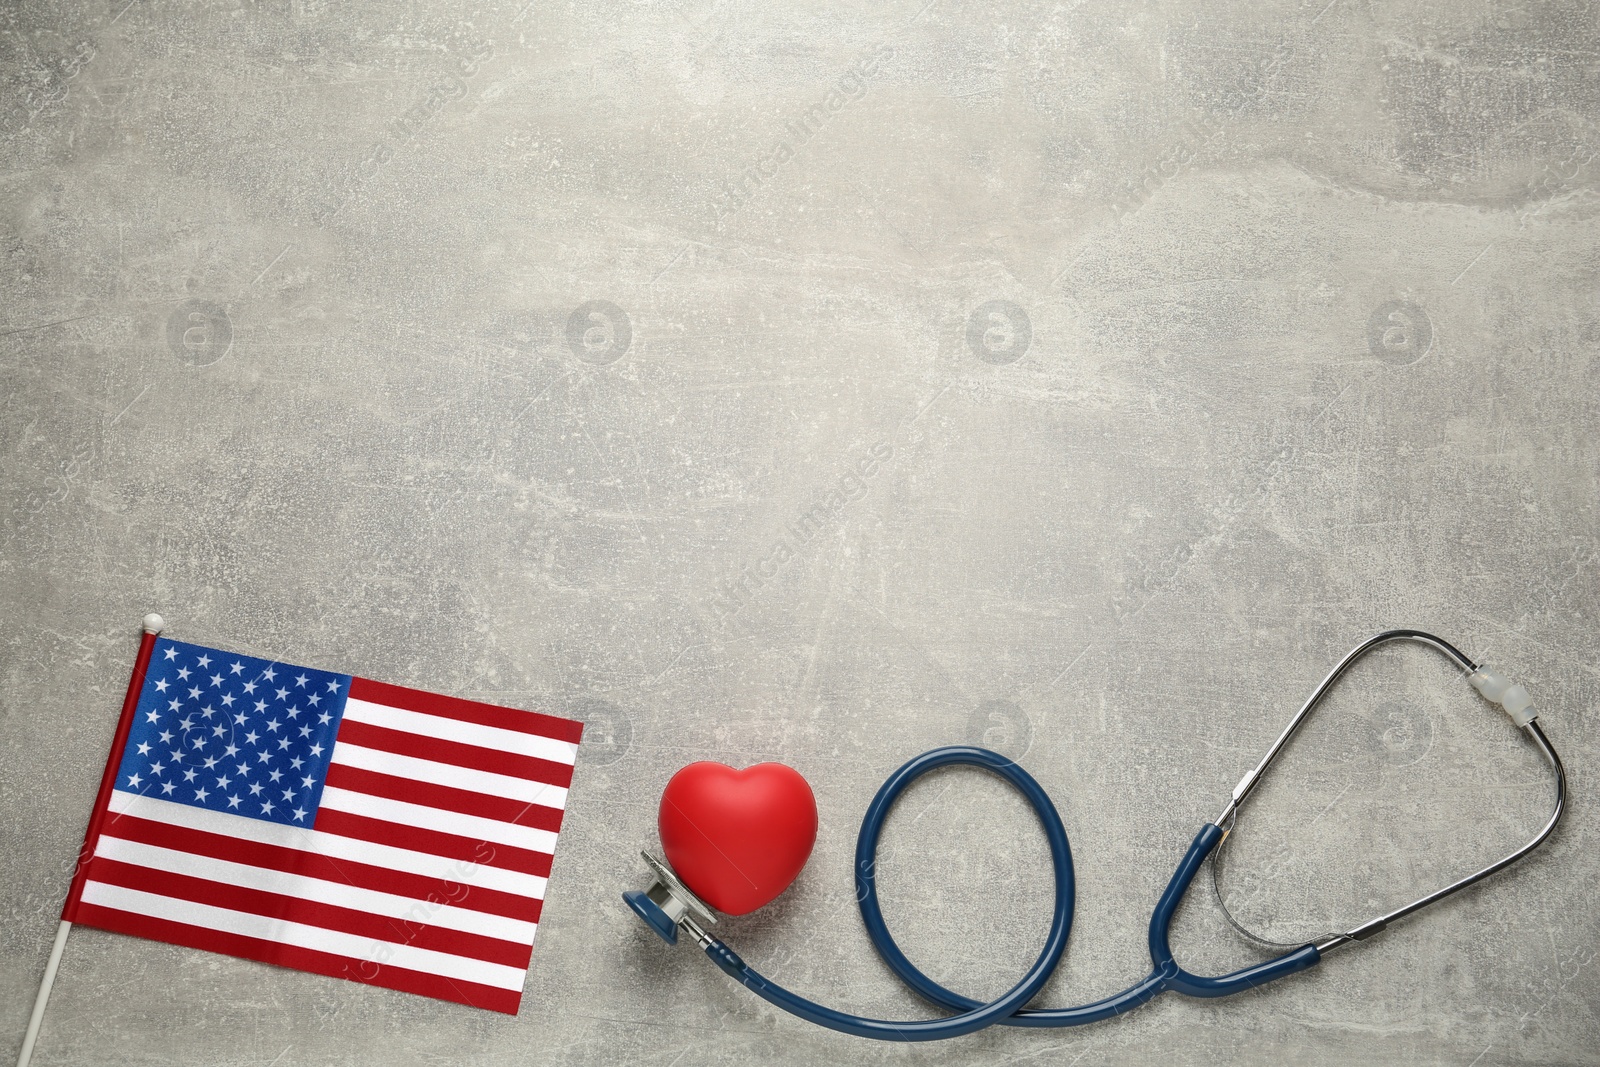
[{"x": 329, "y": 823}]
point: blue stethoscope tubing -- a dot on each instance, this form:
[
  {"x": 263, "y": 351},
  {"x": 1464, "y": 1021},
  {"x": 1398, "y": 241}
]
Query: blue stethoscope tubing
[{"x": 1009, "y": 1009}]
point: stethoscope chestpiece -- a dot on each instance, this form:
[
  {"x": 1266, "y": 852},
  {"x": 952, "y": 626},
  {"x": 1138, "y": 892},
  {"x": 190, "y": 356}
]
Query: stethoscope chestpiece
[{"x": 668, "y": 904}]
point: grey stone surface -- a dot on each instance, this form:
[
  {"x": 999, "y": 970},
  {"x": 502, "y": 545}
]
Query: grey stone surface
[{"x": 525, "y": 352}]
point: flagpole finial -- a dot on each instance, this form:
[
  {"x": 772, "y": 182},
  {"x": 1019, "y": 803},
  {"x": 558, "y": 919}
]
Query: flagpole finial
[{"x": 153, "y": 623}]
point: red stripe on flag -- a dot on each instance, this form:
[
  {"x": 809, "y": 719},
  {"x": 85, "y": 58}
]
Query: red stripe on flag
[
  {"x": 402, "y": 743},
  {"x": 527, "y": 722},
  {"x": 315, "y": 865},
  {"x": 293, "y": 909},
  {"x": 447, "y": 798},
  {"x": 450, "y": 846},
  {"x": 429, "y": 985}
]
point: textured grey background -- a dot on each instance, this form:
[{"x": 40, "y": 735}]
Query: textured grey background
[{"x": 1294, "y": 341}]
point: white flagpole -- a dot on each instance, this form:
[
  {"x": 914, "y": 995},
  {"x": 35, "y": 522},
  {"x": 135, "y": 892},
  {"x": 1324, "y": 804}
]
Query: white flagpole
[
  {"x": 153, "y": 625},
  {"x": 44, "y": 993}
]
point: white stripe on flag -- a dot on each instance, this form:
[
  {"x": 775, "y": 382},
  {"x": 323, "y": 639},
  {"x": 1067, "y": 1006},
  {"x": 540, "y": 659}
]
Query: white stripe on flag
[
  {"x": 321, "y": 843},
  {"x": 425, "y": 770},
  {"x": 303, "y": 887},
  {"x": 361, "y": 949},
  {"x": 448, "y": 822},
  {"x": 468, "y": 733}
]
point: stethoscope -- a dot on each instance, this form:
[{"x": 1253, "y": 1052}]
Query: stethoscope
[{"x": 668, "y": 906}]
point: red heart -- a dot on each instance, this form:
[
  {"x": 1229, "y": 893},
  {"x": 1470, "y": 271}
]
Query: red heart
[{"x": 737, "y": 838}]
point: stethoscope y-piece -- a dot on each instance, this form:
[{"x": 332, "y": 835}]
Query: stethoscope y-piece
[{"x": 669, "y": 906}]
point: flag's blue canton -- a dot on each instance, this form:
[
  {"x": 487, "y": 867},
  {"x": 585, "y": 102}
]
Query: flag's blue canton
[{"x": 233, "y": 733}]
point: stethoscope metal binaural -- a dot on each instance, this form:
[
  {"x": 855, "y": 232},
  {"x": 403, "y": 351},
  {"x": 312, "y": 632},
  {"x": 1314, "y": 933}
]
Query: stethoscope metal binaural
[{"x": 668, "y": 906}]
